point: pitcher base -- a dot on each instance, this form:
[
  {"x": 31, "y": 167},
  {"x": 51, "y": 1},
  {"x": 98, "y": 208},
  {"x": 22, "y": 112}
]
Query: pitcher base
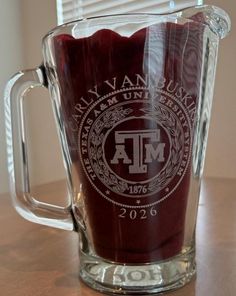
[{"x": 113, "y": 278}]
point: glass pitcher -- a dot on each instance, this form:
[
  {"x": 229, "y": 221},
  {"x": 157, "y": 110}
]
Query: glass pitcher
[{"x": 132, "y": 99}]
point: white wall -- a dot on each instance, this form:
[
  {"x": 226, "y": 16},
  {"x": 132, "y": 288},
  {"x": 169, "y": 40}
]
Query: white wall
[
  {"x": 46, "y": 162},
  {"x": 23, "y": 23},
  {"x": 221, "y": 152},
  {"x": 11, "y": 60},
  {"x": 26, "y": 21}
]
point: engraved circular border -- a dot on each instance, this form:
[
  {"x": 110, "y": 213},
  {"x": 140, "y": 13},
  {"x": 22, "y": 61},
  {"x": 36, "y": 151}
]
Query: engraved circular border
[
  {"x": 189, "y": 155},
  {"x": 117, "y": 184}
]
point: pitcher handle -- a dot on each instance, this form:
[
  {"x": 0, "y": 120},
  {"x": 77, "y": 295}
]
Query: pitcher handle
[{"x": 26, "y": 205}]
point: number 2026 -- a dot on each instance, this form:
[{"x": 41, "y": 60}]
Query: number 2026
[{"x": 140, "y": 214}]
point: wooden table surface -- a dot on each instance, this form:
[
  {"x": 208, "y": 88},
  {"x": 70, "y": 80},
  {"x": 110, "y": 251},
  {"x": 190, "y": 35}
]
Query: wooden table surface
[{"x": 40, "y": 261}]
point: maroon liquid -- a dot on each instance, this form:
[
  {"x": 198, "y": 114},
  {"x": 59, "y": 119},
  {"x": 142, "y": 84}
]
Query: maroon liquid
[{"x": 129, "y": 106}]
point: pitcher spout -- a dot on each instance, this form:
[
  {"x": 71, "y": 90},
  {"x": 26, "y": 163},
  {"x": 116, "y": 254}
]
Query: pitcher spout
[{"x": 214, "y": 17}]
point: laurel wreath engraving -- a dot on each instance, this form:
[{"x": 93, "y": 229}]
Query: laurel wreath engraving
[
  {"x": 177, "y": 139},
  {"x": 96, "y": 154},
  {"x": 161, "y": 115}
]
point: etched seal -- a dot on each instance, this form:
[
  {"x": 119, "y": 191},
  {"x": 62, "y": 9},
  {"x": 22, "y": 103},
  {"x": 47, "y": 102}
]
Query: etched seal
[{"x": 134, "y": 147}]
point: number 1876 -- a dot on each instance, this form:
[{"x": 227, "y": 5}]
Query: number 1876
[{"x": 138, "y": 189}]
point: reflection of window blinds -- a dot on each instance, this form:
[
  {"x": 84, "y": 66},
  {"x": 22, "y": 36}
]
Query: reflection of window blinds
[{"x": 69, "y": 10}]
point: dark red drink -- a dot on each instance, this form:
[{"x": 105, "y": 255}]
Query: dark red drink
[{"x": 129, "y": 108}]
